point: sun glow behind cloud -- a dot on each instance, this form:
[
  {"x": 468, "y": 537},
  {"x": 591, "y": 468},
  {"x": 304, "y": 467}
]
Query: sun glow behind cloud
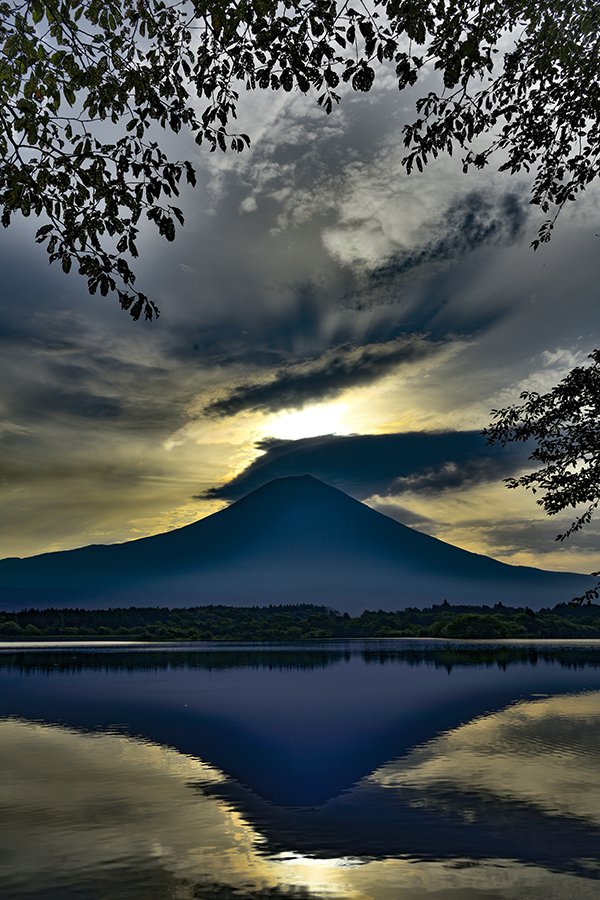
[
  {"x": 320, "y": 261},
  {"x": 314, "y": 420}
]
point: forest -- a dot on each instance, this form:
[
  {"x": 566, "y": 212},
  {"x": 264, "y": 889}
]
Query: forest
[{"x": 301, "y": 622}]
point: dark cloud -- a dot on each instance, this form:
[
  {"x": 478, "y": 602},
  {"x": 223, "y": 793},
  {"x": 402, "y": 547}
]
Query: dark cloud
[
  {"x": 318, "y": 379},
  {"x": 536, "y": 536},
  {"x": 384, "y": 464},
  {"x": 58, "y": 369},
  {"x": 309, "y": 319},
  {"x": 469, "y": 222},
  {"x": 458, "y": 473},
  {"x": 261, "y": 335}
]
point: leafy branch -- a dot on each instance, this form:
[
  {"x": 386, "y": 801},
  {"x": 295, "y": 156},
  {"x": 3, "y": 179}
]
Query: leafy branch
[
  {"x": 565, "y": 425},
  {"x": 87, "y": 86}
]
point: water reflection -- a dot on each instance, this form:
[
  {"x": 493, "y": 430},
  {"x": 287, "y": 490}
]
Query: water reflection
[
  {"x": 354, "y": 771},
  {"x": 105, "y": 815},
  {"x": 544, "y": 753},
  {"x": 105, "y": 656},
  {"x": 294, "y": 726}
]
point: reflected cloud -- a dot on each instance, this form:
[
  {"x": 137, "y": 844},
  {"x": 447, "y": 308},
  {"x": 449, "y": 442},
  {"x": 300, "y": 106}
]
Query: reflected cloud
[
  {"x": 83, "y": 806},
  {"x": 542, "y": 753},
  {"x": 81, "y": 803}
]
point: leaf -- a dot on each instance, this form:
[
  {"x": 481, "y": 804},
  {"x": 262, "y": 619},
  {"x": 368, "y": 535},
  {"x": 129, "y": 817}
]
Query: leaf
[
  {"x": 37, "y": 11},
  {"x": 136, "y": 309},
  {"x": 363, "y": 78},
  {"x": 331, "y": 77},
  {"x": 43, "y": 232}
]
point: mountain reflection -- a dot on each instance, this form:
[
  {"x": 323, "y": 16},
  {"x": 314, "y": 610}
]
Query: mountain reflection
[
  {"x": 103, "y": 814},
  {"x": 290, "y": 726},
  {"x": 544, "y": 754}
]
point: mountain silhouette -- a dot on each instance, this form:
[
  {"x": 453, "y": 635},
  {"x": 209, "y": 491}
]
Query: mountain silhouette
[{"x": 293, "y": 540}]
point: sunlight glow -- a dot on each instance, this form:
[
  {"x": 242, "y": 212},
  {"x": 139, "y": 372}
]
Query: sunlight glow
[{"x": 322, "y": 418}]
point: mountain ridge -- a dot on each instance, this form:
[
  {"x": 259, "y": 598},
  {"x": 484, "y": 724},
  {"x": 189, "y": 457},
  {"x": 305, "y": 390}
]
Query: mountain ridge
[{"x": 294, "y": 539}]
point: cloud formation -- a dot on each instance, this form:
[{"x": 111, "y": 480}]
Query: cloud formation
[
  {"x": 513, "y": 536},
  {"x": 382, "y": 464},
  {"x": 340, "y": 368},
  {"x": 468, "y": 222},
  {"x": 309, "y": 266}
]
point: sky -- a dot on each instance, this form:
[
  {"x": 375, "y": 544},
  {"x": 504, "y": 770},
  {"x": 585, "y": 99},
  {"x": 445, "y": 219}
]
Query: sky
[{"x": 322, "y": 312}]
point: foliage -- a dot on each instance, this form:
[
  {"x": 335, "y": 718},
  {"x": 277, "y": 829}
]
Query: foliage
[
  {"x": 565, "y": 425},
  {"x": 87, "y": 85},
  {"x": 285, "y": 623}
]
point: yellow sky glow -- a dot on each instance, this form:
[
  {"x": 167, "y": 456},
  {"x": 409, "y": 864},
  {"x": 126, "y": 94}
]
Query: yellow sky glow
[{"x": 314, "y": 420}]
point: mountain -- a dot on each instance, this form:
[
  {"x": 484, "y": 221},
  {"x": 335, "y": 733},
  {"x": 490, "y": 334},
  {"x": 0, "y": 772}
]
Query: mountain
[{"x": 293, "y": 540}]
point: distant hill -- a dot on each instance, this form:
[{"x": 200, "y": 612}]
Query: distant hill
[{"x": 294, "y": 540}]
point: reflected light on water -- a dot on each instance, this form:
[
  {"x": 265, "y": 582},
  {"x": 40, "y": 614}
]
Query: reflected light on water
[
  {"x": 544, "y": 753},
  {"x": 81, "y": 809},
  {"x": 319, "y": 877}
]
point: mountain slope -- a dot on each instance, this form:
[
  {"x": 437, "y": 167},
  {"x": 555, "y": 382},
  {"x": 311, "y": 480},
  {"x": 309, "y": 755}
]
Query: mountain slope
[{"x": 293, "y": 540}]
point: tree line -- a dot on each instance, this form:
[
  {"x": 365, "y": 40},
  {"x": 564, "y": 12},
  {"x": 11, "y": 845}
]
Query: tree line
[{"x": 301, "y": 622}]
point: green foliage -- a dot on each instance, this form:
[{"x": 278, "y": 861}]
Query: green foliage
[
  {"x": 87, "y": 85},
  {"x": 303, "y": 622},
  {"x": 564, "y": 423},
  {"x": 476, "y": 625}
]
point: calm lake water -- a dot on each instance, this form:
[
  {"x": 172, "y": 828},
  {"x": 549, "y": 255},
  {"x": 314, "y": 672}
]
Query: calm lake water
[{"x": 364, "y": 770}]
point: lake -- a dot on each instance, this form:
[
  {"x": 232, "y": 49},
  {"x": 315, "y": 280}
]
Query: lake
[{"x": 360, "y": 770}]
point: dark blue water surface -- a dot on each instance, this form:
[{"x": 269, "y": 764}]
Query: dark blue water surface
[{"x": 375, "y": 769}]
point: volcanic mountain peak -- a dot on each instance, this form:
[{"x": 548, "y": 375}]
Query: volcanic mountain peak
[
  {"x": 296, "y": 490},
  {"x": 295, "y": 539}
]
